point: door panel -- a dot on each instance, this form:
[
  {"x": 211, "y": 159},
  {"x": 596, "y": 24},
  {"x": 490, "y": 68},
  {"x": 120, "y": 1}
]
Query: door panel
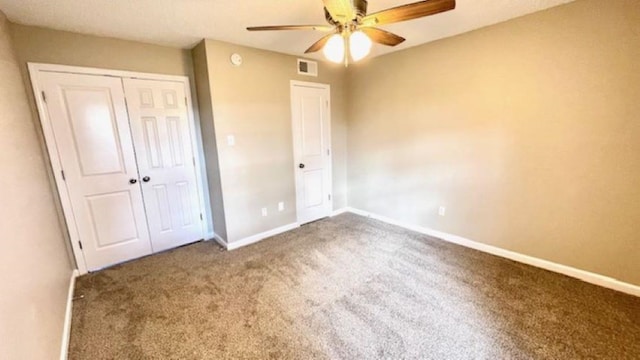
[
  {"x": 161, "y": 199},
  {"x": 109, "y": 209},
  {"x": 185, "y": 197},
  {"x": 311, "y": 132},
  {"x": 91, "y": 130},
  {"x": 176, "y": 142},
  {"x": 162, "y": 136},
  {"x": 313, "y": 189},
  {"x": 151, "y": 143},
  {"x": 94, "y": 135},
  {"x": 310, "y": 124}
]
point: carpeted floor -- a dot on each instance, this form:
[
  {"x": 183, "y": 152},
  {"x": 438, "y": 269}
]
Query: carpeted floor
[{"x": 346, "y": 288}]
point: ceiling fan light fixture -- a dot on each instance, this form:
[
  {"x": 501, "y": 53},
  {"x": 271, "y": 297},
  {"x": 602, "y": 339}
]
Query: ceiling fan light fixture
[
  {"x": 359, "y": 45},
  {"x": 346, "y": 17},
  {"x": 334, "y": 49}
]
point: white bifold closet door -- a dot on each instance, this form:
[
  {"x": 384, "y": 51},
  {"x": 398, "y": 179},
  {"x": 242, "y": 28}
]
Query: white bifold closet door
[
  {"x": 125, "y": 146},
  {"x": 160, "y": 128},
  {"x": 91, "y": 128}
]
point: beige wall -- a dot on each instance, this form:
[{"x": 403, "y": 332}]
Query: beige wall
[
  {"x": 527, "y": 131},
  {"x": 203, "y": 86},
  {"x": 252, "y": 102},
  {"x": 34, "y": 267},
  {"x": 35, "y": 44}
]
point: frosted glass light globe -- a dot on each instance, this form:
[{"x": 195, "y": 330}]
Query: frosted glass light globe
[
  {"x": 334, "y": 49},
  {"x": 359, "y": 45}
]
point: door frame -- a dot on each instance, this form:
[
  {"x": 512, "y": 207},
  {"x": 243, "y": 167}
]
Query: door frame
[
  {"x": 329, "y": 161},
  {"x": 52, "y": 148}
]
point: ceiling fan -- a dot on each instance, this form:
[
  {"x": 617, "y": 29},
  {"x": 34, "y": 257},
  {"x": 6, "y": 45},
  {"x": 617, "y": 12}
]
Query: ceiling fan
[{"x": 351, "y": 30}]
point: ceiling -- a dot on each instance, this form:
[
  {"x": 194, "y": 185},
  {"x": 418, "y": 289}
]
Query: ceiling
[{"x": 183, "y": 23}]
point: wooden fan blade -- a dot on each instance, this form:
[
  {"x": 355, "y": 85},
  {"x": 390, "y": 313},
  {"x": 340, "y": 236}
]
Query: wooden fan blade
[
  {"x": 408, "y": 12},
  {"x": 292, "y": 27},
  {"x": 382, "y": 37},
  {"x": 341, "y": 11},
  {"x": 318, "y": 44}
]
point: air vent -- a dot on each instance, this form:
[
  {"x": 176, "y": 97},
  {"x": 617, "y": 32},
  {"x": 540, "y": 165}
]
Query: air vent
[{"x": 307, "y": 67}]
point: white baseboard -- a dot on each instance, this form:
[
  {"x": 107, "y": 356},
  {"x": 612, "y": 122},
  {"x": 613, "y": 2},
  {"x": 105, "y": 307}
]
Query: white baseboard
[
  {"x": 257, "y": 237},
  {"x": 339, "y": 211},
  {"x": 66, "y": 330},
  {"x": 219, "y": 240},
  {"x": 583, "y": 275}
]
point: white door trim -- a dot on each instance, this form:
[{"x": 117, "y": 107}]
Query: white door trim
[
  {"x": 329, "y": 144},
  {"x": 52, "y": 148}
]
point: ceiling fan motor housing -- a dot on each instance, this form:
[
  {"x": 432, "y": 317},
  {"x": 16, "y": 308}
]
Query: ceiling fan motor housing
[{"x": 360, "y": 7}]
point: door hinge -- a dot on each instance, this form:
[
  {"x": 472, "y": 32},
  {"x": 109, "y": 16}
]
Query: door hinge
[
  {"x": 44, "y": 97},
  {"x": 194, "y": 161},
  {"x": 328, "y": 152},
  {"x": 80, "y": 243},
  {"x": 329, "y": 196},
  {"x": 201, "y": 217},
  {"x": 63, "y": 177},
  {"x": 185, "y": 101}
]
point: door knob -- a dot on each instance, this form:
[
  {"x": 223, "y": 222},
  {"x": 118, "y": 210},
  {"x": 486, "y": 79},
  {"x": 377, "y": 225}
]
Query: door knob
[
  {"x": 146, "y": 179},
  {"x": 301, "y": 166},
  {"x": 133, "y": 181}
]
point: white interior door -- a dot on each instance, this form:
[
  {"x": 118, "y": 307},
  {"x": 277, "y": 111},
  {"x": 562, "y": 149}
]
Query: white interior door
[
  {"x": 163, "y": 138},
  {"x": 312, "y": 150},
  {"x": 89, "y": 120}
]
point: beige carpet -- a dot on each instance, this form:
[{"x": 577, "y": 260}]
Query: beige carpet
[{"x": 346, "y": 288}]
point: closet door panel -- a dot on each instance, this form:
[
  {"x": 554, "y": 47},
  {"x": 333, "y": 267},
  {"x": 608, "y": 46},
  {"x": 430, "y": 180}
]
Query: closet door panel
[
  {"x": 88, "y": 116},
  {"x": 162, "y": 138}
]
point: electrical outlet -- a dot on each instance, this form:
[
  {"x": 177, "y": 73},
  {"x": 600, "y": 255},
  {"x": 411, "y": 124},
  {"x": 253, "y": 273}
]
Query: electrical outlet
[
  {"x": 442, "y": 210},
  {"x": 281, "y": 206},
  {"x": 264, "y": 212}
]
